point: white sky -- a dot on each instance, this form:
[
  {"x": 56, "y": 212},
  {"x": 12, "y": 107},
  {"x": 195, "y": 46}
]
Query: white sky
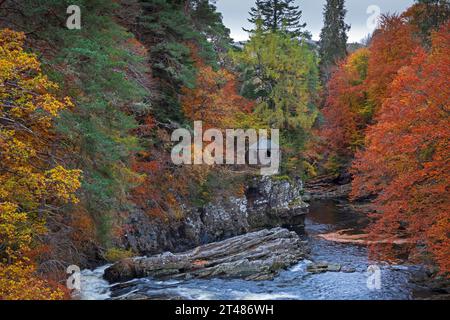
[{"x": 235, "y": 14}]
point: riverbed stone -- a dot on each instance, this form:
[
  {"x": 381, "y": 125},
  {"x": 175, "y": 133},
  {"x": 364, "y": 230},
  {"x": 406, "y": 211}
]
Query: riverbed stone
[
  {"x": 323, "y": 267},
  {"x": 334, "y": 186},
  {"x": 347, "y": 269},
  {"x": 259, "y": 255}
]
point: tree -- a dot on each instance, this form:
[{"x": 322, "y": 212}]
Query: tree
[
  {"x": 392, "y": 47},
  {"x": 166, "y": 27},
  {"x": 214, "y": 100},
  {"x": 98, "y": 67},
  {"x": 428, "y": 16},
  {"x": 405, "y": 164},
  {"x": 279, "y": 15},
  {"x": 346, "y": 113},
  {"x": 333, "y": 37},
  {"x": 32, "y": 182},
  {"x": 281, "y": 74},
  {"x": 171, "y": 30},
  {"x": 206, "y": 20}
]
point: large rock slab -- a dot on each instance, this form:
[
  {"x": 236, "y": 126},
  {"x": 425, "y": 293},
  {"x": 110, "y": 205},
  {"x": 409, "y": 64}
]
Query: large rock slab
[{"x": 253, "y": 256}]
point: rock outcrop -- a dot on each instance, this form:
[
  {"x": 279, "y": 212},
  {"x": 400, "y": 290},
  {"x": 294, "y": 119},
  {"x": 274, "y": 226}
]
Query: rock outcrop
[
  {"x": 276, "y": 203},
  {"x": 268, "y": 203},
  {"x": 253, "y": 256},
  {"x": 328, "y": 187}
]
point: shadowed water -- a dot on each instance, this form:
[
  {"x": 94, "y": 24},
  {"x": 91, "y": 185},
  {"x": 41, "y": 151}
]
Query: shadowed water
[{"x": 295, "y": 283}]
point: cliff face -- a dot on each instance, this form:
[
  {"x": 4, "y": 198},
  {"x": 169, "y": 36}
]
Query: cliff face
[
  {"x": 276, "y": 203},
  {"x": 267, "y": 203}
]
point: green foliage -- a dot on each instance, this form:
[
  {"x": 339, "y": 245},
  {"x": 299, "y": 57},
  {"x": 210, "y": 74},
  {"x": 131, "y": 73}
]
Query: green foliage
[
  {"x": 428, "y": 16},
  {"x": 208, "y": 22},
  {"x": 333, "y": 38},
  {"x": 167, "y": 27},
  {"x": 92, "y": 65},
  {"x": 279, "y": 15},
  {"x": 281, "y": 74}
]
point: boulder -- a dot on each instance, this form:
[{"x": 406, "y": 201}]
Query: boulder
[{"x": 253, "y": 256}]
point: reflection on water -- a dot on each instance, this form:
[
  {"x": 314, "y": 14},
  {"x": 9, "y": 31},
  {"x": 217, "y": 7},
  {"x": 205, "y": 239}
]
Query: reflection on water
[
  {"x": 295, "y": 283},
  {"x": 328, "y": 215}
]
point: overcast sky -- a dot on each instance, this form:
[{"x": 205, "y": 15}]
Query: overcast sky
[{"x": 235, "y": 14}]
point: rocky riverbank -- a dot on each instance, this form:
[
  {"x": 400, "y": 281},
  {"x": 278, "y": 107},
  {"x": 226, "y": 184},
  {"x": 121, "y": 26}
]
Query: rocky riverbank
[
  {"x": 267, "y": 203},
  {"x": 427, "y": 282},
  {"x": 331, "y": 270},
  {"x": 253, "y": 256}
]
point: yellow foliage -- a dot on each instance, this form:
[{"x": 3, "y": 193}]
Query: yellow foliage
[
  {"x": 62, "y": 183},
  {"x": 19, "y": 282},
  {"x": 116, "y": 254},
  {"x": 15, "y": 232},
  {"x": 28, "y": 179}
]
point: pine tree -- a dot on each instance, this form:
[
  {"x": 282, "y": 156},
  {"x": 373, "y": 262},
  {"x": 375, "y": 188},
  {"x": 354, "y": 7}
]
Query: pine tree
[
  {"x": 333, "y": 38},
  {"x": 279, "y": 15},
  {"x": 428, "y": 16},
  {"x": 208, "y": 21},
  {"x": 98, "y": 133},
  {"x": 166, "y": 27}
]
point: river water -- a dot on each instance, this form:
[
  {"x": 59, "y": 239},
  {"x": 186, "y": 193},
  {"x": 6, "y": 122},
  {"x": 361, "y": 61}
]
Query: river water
[{"x": 295, "y": 283}]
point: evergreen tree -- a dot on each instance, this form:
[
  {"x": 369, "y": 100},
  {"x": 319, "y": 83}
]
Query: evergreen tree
[
  {"x": 166, "y": 26},
  {"x": 206, "y": 20},
  {"x": 333, "y": 38},
  {"x": 428, "y": 16},
  {"x": 93, "y": 65},
  {"x": 279, "y": 15}
]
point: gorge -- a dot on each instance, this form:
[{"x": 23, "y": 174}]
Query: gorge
[{"x": 267, "y": 264}]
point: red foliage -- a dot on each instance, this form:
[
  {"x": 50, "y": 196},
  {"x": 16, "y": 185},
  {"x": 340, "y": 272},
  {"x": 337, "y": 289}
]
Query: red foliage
[
  {"x": 392, "y": 47},
  {"x": 406, "y": 164},
  {"x": 345, "y": 107}
]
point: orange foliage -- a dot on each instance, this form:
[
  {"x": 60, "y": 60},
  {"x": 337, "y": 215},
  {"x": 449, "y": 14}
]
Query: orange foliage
[
  {"x": 137, "y": 47},
  {"x": 406, "y": 163},
  {"x": 345, "y": 108},
  {"x": 392, "y": 47},
  {"x": 162, "y": 183},
  {"x": 214, "y": 100}
]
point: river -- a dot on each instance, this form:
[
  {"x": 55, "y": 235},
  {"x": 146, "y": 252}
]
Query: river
[{"x": 294, "y": 283}]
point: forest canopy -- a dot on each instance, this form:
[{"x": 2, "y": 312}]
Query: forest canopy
[{"x": 86, "y": 117}]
